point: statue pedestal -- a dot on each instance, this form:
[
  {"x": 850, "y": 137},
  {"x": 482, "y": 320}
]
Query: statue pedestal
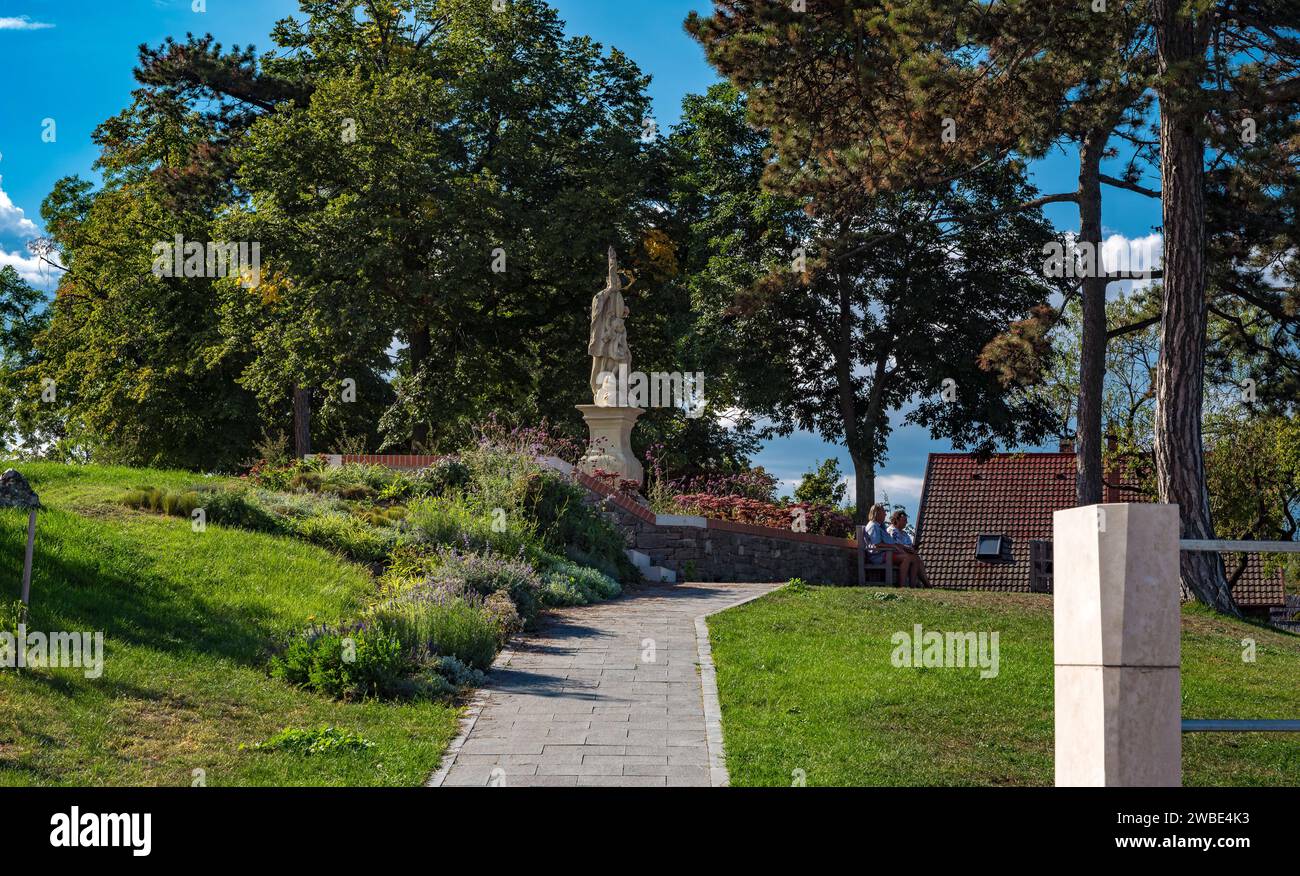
[{"x": 611, "y": 442}]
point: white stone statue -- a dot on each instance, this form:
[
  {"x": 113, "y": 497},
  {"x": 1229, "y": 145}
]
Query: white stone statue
[
  {"x": 610, "y": 449},
  {"x": 608, "y": 346}
]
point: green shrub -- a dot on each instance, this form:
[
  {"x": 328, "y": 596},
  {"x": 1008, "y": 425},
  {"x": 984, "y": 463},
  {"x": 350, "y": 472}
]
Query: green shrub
[
  {"x": 144, "y": 499},
  {"x": 499, "y": 478},
  {"x": 374, "y": 477},
  {"x": 137, "y": 498},
  {"x": 307, "y": 481},
  {"x": 436, "y": 687},
  {"x": 348, "y": 665},
  {"x": 562, "y": 593},
  {"x": 444, "y": 477},
  {"x": 567, "y": 583},
  {"x": 354, "y": 492},
  {"x": 567, "y": 524},
  {"x": 400, "y": 488},
  {"x": 501, "y": 608},
  {"x": 294, "y": 505},
  {"x": 457, "y": 673},
  {"x": 173, "y": 505},
  {"x": 238, "y": 508}
]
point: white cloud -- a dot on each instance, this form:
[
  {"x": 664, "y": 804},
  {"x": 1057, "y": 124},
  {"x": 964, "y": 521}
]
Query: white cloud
[
  {"x": 901, "y": 484},
  {"x": 12, "y": 218},
  {"x": 1133, "y": 257},
  {"x": 1123, "y": 253},
  {"x": 28, "y": 267},
  {"x": 903, "y": 490},
  {"x": 22, "y": 22}
]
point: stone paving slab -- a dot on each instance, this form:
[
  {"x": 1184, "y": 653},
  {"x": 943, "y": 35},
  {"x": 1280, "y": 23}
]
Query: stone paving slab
[{"x": 602, "y": 695}]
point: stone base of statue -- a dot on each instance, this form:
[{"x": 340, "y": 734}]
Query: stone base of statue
[{"x": 611, "y": 442}]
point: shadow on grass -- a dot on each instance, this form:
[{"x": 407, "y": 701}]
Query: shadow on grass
[{"x": 89, "y": 578}]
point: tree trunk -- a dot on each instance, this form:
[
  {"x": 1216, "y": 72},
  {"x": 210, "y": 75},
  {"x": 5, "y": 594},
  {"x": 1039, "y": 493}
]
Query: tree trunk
[
  {"x": 848, "y": 403},
  {"x": 420, "y": 347},
  {"x": 864, "y": 478},
  {"x": 1180, "y": 373},
  {"x": 301, "y": 421},
  {"x": 1092, "y": 354}
]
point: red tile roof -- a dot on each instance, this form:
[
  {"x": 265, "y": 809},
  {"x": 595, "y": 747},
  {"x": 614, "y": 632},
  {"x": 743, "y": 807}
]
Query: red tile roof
[{"x": 1015, "y": 494}]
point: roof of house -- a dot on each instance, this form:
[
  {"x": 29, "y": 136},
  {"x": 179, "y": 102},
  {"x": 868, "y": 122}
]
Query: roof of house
[{"x": 1015, "y": 494}]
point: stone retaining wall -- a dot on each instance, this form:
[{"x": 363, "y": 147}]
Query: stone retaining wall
[{"x": 703, "y": 549}]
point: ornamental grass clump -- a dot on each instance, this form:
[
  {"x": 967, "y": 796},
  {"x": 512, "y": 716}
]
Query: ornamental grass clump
[
  {"x": 228, "y": 506},
  {"x": 442, "y": 620},
  {"x": 453, "y": 521}
]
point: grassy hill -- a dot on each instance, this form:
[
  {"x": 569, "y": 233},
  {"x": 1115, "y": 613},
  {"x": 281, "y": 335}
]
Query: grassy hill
[
  {"x": 186, "y": 619},
  {"x": 807, "y": 684}
]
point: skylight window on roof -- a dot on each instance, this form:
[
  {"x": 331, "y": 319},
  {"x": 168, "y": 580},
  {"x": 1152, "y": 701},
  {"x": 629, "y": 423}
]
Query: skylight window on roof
[{"x": 990, "y": 547}]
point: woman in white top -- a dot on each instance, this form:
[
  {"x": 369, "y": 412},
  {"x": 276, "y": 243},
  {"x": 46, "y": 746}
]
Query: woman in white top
[
  {"x": 898, "y": 535},
  {"x": 884, "y": 549}
]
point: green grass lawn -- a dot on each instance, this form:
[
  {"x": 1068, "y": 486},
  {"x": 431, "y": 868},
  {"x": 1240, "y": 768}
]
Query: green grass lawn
[
  {"x": 807, "y": 684},
  {"x": 186, "y": 619}
]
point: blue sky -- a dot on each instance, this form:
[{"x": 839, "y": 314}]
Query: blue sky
[{"x": 71, "y": 61}]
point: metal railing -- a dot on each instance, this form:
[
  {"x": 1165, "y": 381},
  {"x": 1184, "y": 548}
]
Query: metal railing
[
  {"x": 1222, "y": 546},
  {"x": 1229, "y": 725},
  {"x": 1239, "y": 725}
]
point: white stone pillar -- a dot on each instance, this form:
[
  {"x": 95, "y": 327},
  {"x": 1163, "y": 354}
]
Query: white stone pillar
[
  {"x": 611, "y": 442},
  {"x": 1117, "y": 622}
]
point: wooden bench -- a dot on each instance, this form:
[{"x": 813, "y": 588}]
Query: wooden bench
[{"x": 869, "y": 573}]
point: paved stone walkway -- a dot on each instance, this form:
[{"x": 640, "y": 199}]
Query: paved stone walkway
[{"x": 607, "y": 694}]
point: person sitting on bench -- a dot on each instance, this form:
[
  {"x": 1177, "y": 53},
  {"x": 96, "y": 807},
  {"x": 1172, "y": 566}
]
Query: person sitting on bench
[
  {"x": 899, "y": 535},
  {"x": 883, "y": 548}
]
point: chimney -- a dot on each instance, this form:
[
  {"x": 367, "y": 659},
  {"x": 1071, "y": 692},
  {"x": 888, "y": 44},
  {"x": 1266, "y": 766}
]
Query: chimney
[{"x": 1067, "y": 446}]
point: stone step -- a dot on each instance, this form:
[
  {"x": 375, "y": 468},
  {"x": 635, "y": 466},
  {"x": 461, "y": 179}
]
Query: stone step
[
  {"x": 640, "y": 560},
  {"x": 660, "y": 575}
]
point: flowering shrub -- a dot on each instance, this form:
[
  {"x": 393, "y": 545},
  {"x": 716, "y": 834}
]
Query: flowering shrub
[
  {"x": 820, "y": 519},
  {"x": 756, "y": 484},
  {"x": 529, "y": 441},
  {"x": 486, "y": 574}
]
